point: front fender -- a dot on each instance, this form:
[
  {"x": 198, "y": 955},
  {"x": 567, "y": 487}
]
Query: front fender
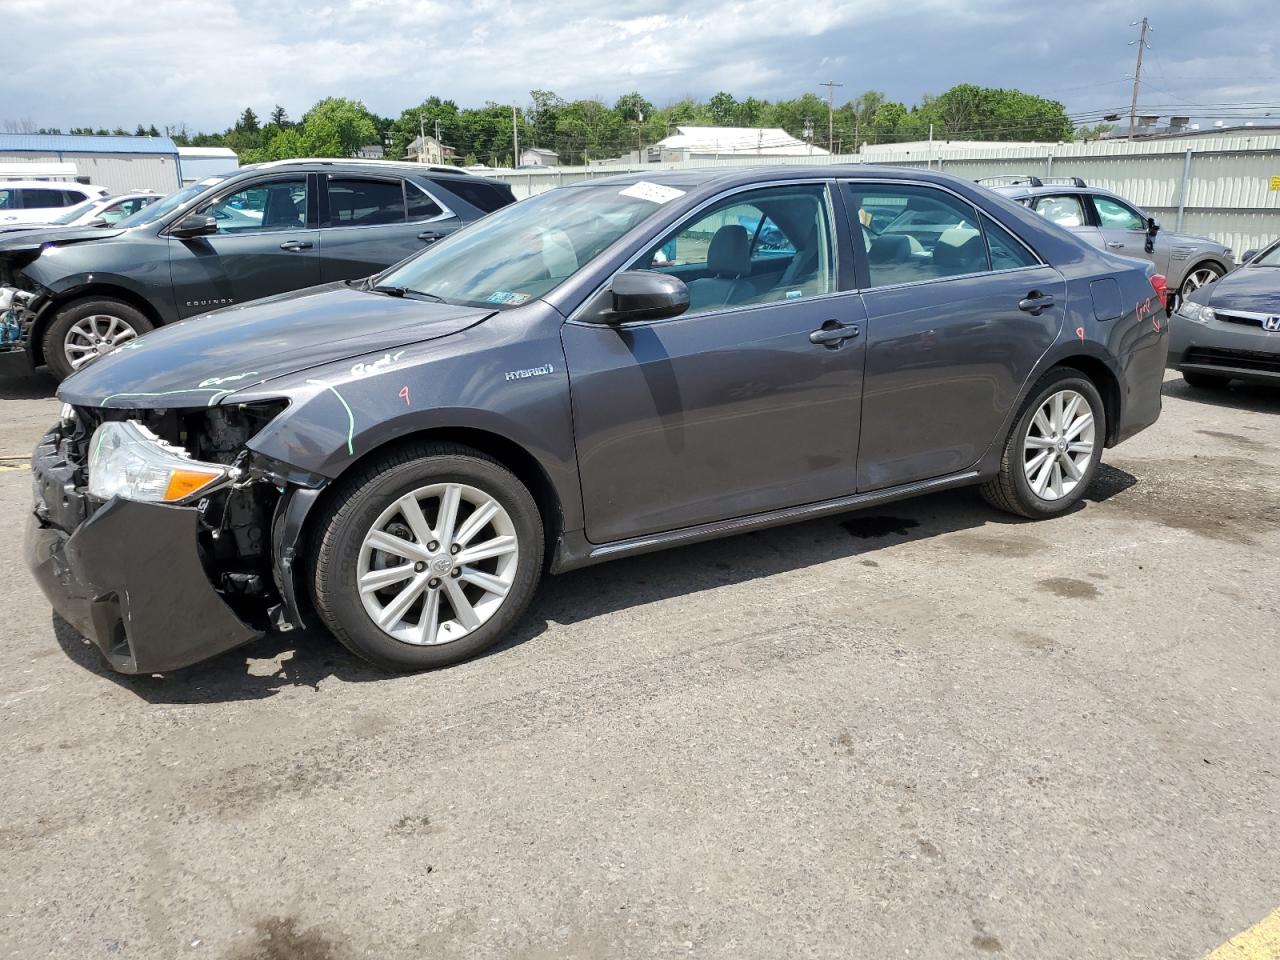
[{"x": 499, "y": 378}]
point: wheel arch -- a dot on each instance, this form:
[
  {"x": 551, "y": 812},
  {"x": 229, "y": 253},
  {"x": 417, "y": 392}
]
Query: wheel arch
[
  {"x": 63, "y": 299},
  {"x": 1107, "y": 384},
  {"x": 523, "y": 464}
]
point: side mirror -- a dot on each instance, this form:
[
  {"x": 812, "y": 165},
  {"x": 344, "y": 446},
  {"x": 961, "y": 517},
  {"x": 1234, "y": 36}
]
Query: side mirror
[
  {"x": 194, "y": 225},
  {"x": 1152, "y": 227},
  {"x": 96, "y": 222},
  {"x": 1248, "y": 255},
  {"x": 642, "y": 295}
]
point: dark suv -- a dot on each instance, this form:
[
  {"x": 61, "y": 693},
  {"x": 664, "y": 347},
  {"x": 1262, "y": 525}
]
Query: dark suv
[
  {"x": 77, "y": 293},
  {"x": 608, "y": 368}
]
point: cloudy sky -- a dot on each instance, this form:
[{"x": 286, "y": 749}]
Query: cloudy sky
[{"x": 199, "y": 62}]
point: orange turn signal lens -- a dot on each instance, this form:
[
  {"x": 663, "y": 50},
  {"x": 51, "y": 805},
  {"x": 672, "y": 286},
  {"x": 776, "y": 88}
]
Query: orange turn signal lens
[{"x": 183, "y": 483}]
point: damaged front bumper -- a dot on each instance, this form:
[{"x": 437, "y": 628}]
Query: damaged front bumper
[
  {"x": 17, "y": 319},
  {"x": 127, "y": 575}
]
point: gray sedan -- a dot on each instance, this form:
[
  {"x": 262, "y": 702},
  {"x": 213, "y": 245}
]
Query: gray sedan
[
  {"x": 1231, "y": 331},
  {"x": 1110, "y": 222}
]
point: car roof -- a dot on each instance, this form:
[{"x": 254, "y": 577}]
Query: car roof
[
  {"x": 402, "y": 167},
  {"x": 722, "y": 177},
  {"x": 1017, "y": 190}
]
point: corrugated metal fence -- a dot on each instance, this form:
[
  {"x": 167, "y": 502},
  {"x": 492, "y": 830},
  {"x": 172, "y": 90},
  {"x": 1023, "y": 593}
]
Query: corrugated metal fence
[{"x": 1221, "y": 187}]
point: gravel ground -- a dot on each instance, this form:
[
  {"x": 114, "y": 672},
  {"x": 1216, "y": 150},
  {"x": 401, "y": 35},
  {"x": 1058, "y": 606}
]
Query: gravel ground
[{"x": 925, "y": 731}]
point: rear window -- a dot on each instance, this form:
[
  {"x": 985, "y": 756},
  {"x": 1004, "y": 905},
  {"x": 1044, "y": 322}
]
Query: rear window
[
  {"x": 356, "y": 202},
  {"x": 481, "y": 195}
]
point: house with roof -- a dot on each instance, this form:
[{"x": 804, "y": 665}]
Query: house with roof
[{"x": 538, "y": 157}]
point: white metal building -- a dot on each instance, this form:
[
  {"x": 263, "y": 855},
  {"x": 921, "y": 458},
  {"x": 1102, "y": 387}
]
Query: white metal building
[
  {"x": 121, "y": 164},
  {"x": 712, "y": 143},
  {"x": 201, "y": 162}
]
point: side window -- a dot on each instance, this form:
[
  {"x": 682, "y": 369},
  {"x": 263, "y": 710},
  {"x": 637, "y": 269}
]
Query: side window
[
  {"x": 1066, "y": 210},
  {"x": 914, "y": 233},
  {"x": 421, "y": 206},
  {"x": 481, "y": 195},
  {"x": 118, "y": 210},
  {"x": 8, "y": 199},
  {"x": 71, "y": 197},
  {"x": 270, "y": 205},
  {"x": 1007, "y": 253},
  {"x": 362, "y": 203},
  {"x": 1114, "y": 215},
  {"x": 758, "y": 247},
  {"x": 38, "y": 199}
]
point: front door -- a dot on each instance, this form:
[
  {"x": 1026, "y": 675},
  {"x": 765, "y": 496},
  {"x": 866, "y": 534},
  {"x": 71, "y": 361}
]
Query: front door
[
  {"x": 1124, "y": 231},
  {"x": 266, "y": 243},
  {"x": 746, "y": 403},
  {"x": 956, "y": 321},
  {"x": 1069, "y": 210}
]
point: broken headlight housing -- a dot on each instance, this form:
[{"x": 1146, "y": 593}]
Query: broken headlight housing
[{"x": 129, "y": 461}]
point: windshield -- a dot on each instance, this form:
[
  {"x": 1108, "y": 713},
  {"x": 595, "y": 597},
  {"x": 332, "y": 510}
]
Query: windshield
[
  {"x": 152, "y": 213},
  {"x": 524, "y": 251},
  {"x": 1268, "y": 258},
  {"x": 74, "y": 212}
]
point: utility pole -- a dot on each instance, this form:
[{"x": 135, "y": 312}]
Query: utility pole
[
  {"x": 422, "y": 139},
  {"x": 515, "y": 140},
  {"x": 1137, "y": 73},
  {"x": 831, "y": 112},
  {"x": 808, "y": 133}
]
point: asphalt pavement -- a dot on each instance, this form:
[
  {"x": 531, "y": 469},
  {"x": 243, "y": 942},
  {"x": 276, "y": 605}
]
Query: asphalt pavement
[{"x": 927, "y": 731}]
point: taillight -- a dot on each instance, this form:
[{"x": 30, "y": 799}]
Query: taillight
[{"x": 1159, "y": 285}]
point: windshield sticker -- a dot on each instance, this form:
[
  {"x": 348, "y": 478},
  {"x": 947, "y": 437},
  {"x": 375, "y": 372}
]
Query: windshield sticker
[
  {"x": 210, "y": 181},
  {"x": 363, "y": 369},
  {"x": 794, "y": 294},
  {"x": 510, "y": 298},
  {"x": 653, "y": 192}
]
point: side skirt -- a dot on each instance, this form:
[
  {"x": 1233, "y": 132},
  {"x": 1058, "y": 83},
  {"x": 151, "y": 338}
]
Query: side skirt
[{"x": 574, "y": 550}]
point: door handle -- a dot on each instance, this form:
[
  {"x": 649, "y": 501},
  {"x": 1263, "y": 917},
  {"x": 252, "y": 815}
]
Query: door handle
[
  {"x": 833, "y": 333},
  {"x": 430, "y": 236},
  {"x": 1035, "y": 303},
  {"x": 1115, "y": 244},
  {"x": 296, "y": 245}
]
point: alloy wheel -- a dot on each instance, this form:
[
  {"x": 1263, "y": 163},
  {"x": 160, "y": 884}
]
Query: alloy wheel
[
  {"x": 1059, "y": 445},
  {"x": 437, "y": 564},
  {"x": 94, "y": 336},
  {"x": 1198, "y": 278}
]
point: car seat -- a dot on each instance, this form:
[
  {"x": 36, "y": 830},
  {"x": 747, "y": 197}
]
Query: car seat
[
  {"x": 968, "y": 257},
  {"x": 728, "y": 263}
]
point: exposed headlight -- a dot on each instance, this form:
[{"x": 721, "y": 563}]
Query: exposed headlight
[
  {"x": 128, "y": 460},
  {"x": 1196, "y": 312}
]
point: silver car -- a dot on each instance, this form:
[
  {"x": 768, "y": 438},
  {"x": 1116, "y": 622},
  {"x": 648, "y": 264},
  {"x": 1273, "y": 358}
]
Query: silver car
[{"x": 1112, "y": 223}]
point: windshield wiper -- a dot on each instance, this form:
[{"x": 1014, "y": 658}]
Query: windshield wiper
[
  {"x": 422, "y": 294},
  {"x": 389, "y": 290}
]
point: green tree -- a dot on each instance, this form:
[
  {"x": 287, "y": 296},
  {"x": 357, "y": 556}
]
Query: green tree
[
  {"x": 633, "y": 106},
  {"x": 280, "y": 118},
  {"x": 723, "y": 109},
  {"x": 337, "y": 127},
  {"x": 248, "y": 122}
]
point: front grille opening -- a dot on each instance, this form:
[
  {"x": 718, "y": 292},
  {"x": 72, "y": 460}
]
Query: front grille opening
[{"x": 1239, "y": 359}]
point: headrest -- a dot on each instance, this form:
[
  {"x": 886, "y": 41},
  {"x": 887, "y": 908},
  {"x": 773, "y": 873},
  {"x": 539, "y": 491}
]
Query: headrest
[
  {"x": 730, "y": 251},
  {"x": 890, "y": 248},
  {"x": 968, "y": 257}
]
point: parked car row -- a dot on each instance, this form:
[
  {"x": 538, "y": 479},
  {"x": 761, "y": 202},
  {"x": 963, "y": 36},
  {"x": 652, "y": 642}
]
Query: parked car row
[
  {"x": 78, "y": 292},
  {"x": 612, "y": 367}
]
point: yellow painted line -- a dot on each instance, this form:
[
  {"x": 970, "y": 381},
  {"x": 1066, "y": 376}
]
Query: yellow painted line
[{"x": 1259, "y": 942}]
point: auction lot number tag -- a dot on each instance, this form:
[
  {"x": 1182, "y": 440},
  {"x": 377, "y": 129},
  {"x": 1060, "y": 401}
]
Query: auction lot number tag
[{"x": 653, "y": 192}]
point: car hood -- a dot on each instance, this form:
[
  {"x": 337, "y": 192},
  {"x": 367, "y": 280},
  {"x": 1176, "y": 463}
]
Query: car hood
[
  {"x": 24, "y": 241},
  {"x": 1256, "y": 289},
  {"x": 198, "y": 361}
]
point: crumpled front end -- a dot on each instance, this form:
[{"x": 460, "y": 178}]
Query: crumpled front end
[{"x": 155, "y": 586}]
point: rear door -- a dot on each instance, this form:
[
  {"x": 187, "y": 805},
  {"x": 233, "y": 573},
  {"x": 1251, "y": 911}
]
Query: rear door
[
  {"x": 371, "y": 222},
  {"x": 266, "y": 243},
  {"x": 956, "y": 321},
  {"x": 1070, "y": 210}
]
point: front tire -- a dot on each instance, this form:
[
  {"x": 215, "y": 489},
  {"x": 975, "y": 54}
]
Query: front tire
[
  {"x": 1201, "y": 275},
  {"x": 85, "y": 330},
  {"x": 426, "y": 557},
  {"x": 1053, "y": 451}
]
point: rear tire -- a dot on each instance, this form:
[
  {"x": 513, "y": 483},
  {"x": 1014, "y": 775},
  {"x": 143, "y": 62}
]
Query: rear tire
[
  {"x": 1205, "y": 381},
  {"x": 399, "y": 578},
  {"x": 84, "y": 330},
  {"x": 1053, "y": 450}
]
